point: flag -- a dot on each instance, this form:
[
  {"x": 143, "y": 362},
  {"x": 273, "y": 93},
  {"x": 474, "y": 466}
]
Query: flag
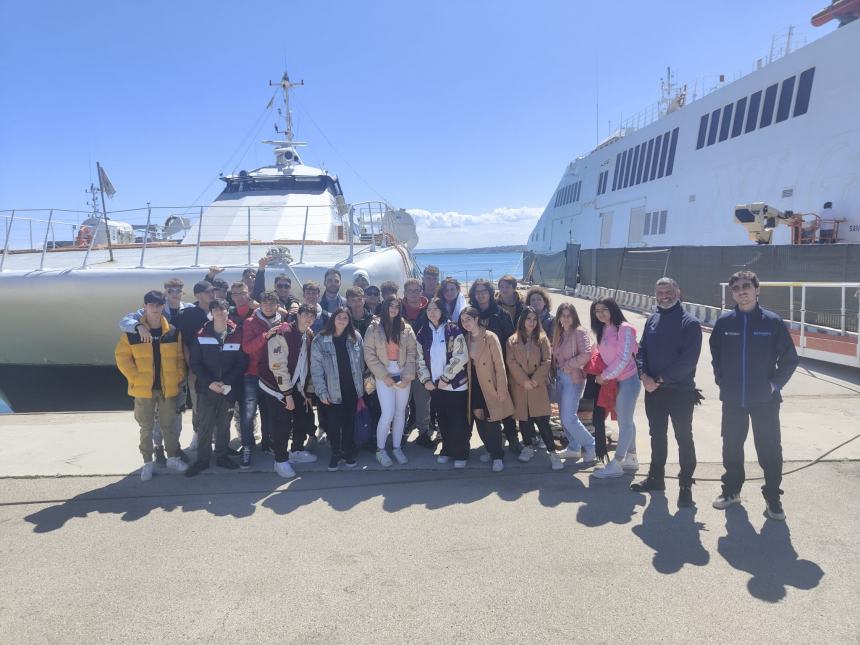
[{"x": 104, "y": 182}]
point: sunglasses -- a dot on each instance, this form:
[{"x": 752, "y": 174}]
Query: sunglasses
[
  {"x": 741, "y": 287},
  {"x": 283, "y": 285}
]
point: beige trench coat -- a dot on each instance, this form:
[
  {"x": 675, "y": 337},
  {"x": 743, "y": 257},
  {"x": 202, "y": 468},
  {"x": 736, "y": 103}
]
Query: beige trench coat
[
  {"x": 525, "y": 361},
  {"x": 489, "y": 369}
]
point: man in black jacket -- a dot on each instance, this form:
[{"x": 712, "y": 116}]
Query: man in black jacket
[
  {"x": 219, "y": 363},
  {"x": 753, "y": 357},
  {"x": 668, "y": 355}
]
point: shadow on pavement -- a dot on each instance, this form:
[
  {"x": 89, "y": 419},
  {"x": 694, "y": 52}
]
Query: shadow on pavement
[
  {"x": 769, "y": 557},
  {"x": 676, "y": 539}
]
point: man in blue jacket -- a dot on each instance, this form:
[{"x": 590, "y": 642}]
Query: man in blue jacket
[
  {"x": 668, "y": 355},
  {"x": 753, "y": 357}
]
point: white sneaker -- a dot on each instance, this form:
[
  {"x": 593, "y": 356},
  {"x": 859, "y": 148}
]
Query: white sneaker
[
  {"x": 399, "y": 457},
  {"x": 569, "y": 453},
  {"x": 555, "y": 461},
  {"x": 459, "y": 463},
  {"x": 589, "y": 455},
  {"x": 539, "y": 444},
  {"x": 724, "y": 501},
  {"x": 146, "y": 471},
  {"x": 302, "y": 457},
  {"x": 485, "y": 458},
  {"x": 498, "y": 465},
  {"x": 630, "y": 463},
  {"x": 526, "y": 454},
  {"x": 175, "y": 463},
  {"x": 613, "y": 469},
  {"x": 383, "y": 458},
  {"x": 284, "y": 469},
  {"x": 443, "y": 459}
]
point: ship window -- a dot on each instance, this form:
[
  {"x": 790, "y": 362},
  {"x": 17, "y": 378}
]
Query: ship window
[
  {"x": 767, "y": 108},
  {"x": 578, "y": 189},
  {"x": 727, "y": 122},
  {"x": 740, "y": 109},
  {"x": 555, "y": 202},
  {"x": 715, "y": 123},
  {"x": 655, "y": 222},
  {"x": 647, "y": 229},
  {"x": 641, "y": 165},
  {"x": 752, "y": 115},
  {"x": 621, "y": 173},
  {"x": 649, "y": 152},
  {"x": 786, "y": 93},
  {"x": 703, "y": 130},
  {"x": 605, "y": 181},
  {"x": 671, "y": 162},
  {"x": 634, "y": 165},
  {"x": 615, "y": 174},
  {"x": 656, "y": 157},
  {"x": 804, "y": 89},
  {"x": 627, "y": 167},
  {"x": 662, "y": 228},
  {"x": 663, "y": 149}
]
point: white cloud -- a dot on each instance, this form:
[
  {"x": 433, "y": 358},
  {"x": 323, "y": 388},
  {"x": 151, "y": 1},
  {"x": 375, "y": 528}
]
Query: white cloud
[{"x": 451, "y": 229}]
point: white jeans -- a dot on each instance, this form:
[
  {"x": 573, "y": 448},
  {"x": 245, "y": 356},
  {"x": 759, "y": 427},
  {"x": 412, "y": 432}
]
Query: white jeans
[{"x": 393, "y": 402}]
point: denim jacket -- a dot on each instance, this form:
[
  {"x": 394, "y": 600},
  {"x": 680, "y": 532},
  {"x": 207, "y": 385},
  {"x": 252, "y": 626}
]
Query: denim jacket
[{"x": 324, "y": 367}]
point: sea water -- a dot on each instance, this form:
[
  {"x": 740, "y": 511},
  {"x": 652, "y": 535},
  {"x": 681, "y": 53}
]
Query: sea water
[{"x": 466, "y": 267}]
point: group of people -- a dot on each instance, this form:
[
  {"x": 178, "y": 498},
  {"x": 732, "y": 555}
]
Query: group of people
[{"x": 446, "y": 364}]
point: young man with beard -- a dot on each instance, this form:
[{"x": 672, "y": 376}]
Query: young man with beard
[
  {"x": 667, "y": 358},
  {"x": 332, "y": 299}
]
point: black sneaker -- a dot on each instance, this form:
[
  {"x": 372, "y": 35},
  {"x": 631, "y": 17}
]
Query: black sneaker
[
  {"x": 160, "y": 458},
  {"x": 685, "y": 497},
  {"x": 333, "y": 463},
  {"x": 774, "y": 510},
  {"x": 516, "y": 448},
  {"x": 266, "y": 449},
  {"x": 225, "y": 462},
  {"x": 425, "y": 441},
  {"x": 245, "y": 461},
  {"x": 648, "y": 484},
  {"x": 233, "y": 452},
  {"x": 196, "y": 468},
  {"x": 350, "y": 461}
]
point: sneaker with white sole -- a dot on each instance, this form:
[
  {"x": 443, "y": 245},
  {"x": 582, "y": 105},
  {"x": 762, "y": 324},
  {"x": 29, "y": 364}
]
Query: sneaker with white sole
[
  {"x": 725, "y": 500},
  {"x": 459, "y": 463},
  {"x": 589, "y": 455},
  {"x": 555, "y": 461},
  {"x": 773, "y": 510},
  {"x": 383, "y": 458},
  {"x": 612, "y": 469},
  {"x": 284, "y": 469},
  {"x": 443, "y": 459},
  {"x": 399, "y": 456},
  {"x": 485, "y": 458},
  {"x": 302, "y": 457},
  {"x": 245, "y": 461},
  {"x": 175, "y": 463},
  {"x": 569, "y": 453},
  {"x": 498, "y": 465},
  {"x": 146, "y": 471},
  {"x": 630, "y": 463},
  {"x": 526, "y": 454}
]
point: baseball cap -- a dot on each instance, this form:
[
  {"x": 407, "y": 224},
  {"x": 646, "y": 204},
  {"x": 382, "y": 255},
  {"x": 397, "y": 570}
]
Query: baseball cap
[{"x": 153, "y": 297}]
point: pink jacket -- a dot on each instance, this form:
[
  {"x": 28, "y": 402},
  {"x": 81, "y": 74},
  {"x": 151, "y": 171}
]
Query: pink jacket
[
  {"x": 617, "y": 349},
  {"x": 573, "y": 352}
]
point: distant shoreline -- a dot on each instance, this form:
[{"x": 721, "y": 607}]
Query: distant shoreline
[{"x": 515, "y": 248}]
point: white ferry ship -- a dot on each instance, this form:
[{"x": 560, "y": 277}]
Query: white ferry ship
[{"x": 784, "y": 137}]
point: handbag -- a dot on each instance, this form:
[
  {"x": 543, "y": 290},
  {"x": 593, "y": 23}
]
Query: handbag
[{"x": 363, "y": 430}]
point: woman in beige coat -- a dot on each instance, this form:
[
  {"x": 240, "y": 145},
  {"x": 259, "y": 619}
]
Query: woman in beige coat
[
  {"x": 391, "y": 355},
  {"x": 489, "y": 399},
  {"x": 529, "y": 357}
]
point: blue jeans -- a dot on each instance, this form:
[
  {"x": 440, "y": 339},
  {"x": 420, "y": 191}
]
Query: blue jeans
[
  {"x": 625, "y": 404},
  {"x": 248, "y": 409},
  {"x": 569, "y": 395}
]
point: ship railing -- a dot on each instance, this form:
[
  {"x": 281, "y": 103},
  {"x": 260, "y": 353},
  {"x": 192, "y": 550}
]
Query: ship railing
[
  {"x": 827, "y": 336},
  {"x": 47, "y": 231}
]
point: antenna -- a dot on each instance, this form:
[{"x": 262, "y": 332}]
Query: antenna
[{"x": 286, "y": 85}]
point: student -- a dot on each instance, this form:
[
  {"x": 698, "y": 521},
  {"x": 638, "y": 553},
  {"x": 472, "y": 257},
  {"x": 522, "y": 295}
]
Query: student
[
  {"x": 332, "y": 299},
  {"x": 414, "y": 302},
  {"x": 311, "y": 295},
  {"x": 509, "y": 299},
  {"x": 538, "y": 298},
  {"x": 667, "y": 359},
  {"x": 390, "y": 353},
  {"x": 283, "y": 285},
  {"x": 243, "y": 307},
  {"x": 451, "y": 294},
  {"x": 418, "y": 415},
  {"x": 430, "y": 281},
  {"x": 361, "y": 317},
  {"x": 753, "y": 357},
  {"x": 489, "y": 400},
  {"x": 442, "y": 360},
  {"x": 337, "y": 366},
  {"x": 360, "y": 279},
  {"x": 388, "y": 288},
  {"x": 219, "y": 363},
  {"x": 572, "y": 350},
  {"x": 372, "y": 299},
  {"x": 617, "y": 346},
  {"x": 154, "y": 371},
  {"x": 284, "y": 378},
  {"x": 529, "y": 357}
]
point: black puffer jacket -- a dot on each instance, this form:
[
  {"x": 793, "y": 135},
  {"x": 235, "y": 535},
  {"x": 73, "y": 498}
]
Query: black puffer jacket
[{"x": 214, "y": 359}]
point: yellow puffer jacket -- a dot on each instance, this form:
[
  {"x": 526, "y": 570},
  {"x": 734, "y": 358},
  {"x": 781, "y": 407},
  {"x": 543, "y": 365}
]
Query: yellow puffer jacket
[{"x": 135, "y": 359}]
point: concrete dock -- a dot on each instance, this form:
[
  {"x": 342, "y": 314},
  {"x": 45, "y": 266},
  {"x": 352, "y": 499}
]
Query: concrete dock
[{"x": 425, "y": 554}]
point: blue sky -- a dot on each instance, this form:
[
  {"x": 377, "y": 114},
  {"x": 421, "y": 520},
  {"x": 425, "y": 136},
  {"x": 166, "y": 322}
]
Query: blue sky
[{"x": 466, "y": 112}]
